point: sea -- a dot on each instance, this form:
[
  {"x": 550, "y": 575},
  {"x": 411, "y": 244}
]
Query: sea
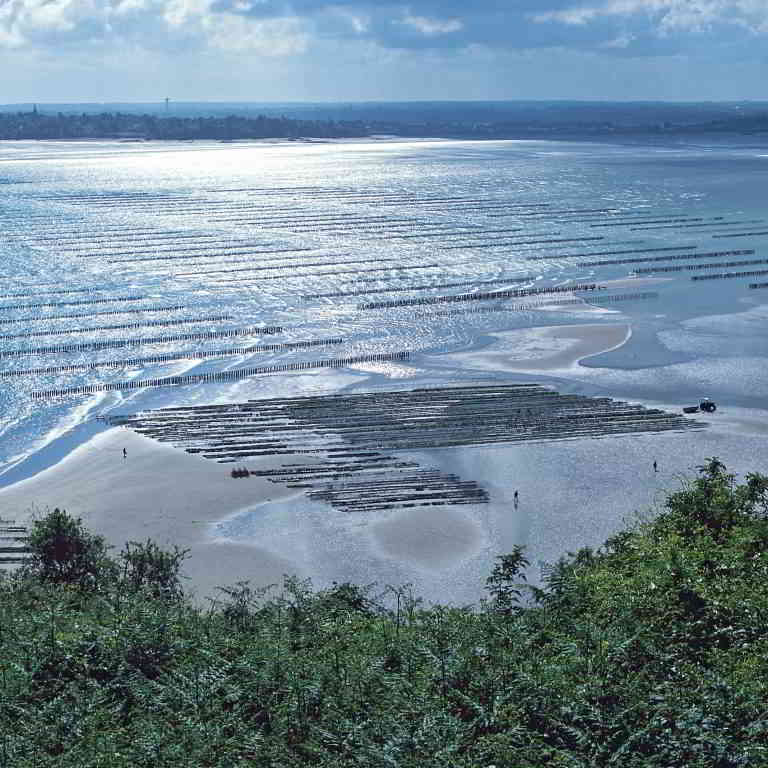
[{"x": 121, "y": 261}]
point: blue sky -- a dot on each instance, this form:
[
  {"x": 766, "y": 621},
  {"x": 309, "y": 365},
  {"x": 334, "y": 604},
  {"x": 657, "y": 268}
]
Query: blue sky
[{"x": 316, "y": 50}]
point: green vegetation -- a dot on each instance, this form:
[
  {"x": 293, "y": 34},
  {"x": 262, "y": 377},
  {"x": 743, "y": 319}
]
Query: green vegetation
[
  {"x": 652, "y": 651},
  {"x": 41, "y": 124},
  {"x": 116, "y": 125}
]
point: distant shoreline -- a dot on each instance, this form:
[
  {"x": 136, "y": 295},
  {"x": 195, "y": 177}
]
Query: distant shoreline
[
  {"x": 676, "y": 141},
  {"x": 593, "y": 124}
]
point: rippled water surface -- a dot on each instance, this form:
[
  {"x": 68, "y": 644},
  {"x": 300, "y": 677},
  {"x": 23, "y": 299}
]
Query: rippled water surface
[{"x": 111, "y": 252}]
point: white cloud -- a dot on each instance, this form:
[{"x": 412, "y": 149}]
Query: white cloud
[
  {"x": 571, "y": 16},
  {"x": 343, "y": 20},
  {"x": 622, "y": 41},
  {"x": 23, "y": 21},
  {"x": 10, "y": 34},
  {"x": 149, "y": 24},
  {"x": 270, "y": 37},
  {"x": 124, "y": 7},
  {"x": 431, "y": 27},
  {"x": 669, "y": 15},
  {"x": 286, "y": 28}
]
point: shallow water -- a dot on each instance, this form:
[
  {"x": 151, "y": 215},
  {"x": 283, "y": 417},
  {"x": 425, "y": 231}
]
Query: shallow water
[{"x": 188, "y": 233}]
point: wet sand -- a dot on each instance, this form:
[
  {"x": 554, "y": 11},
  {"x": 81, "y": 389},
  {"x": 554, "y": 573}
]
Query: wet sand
[
  {"x": 573, "y": 493},
  {"x": 543, "y": 350},
  {"x": 157, "y": 492},
  {"x": 255, "y": 530},
  {"x": 429, "y": 537}
]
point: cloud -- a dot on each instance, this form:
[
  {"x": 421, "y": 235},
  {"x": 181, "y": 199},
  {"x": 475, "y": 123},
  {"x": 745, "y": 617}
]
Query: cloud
[
  {"x": 151, "y": 24},
  {"x": 284, "y": 28},
  {"x": 618, "y": 27},
  {"x": 727, "y": 29},
  {"x": 685, "y": 16},
  {"x": 265, "y": 37},
  {"x": 22, "y": 21},
  {"x": 431, "y": 27}
]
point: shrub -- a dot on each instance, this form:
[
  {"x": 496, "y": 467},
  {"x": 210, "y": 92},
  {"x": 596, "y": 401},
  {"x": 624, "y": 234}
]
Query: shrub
[
  {"x": 63, "y": 552},
  {"x": 146, "y": 566},
  {"x": 347, "y": 598},
  {"x": 502, "y": 584}
]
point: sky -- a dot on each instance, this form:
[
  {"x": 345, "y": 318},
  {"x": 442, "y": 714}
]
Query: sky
[{"x": 350, "y": 50}]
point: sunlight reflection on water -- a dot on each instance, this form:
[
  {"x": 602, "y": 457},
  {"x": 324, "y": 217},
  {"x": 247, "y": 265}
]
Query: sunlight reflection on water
[{"x": 201, "y": 209}]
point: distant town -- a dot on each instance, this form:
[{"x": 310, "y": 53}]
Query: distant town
[{"x": 48, "y": 124}]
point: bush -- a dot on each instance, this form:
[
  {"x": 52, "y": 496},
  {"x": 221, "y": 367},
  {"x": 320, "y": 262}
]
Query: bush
[
  {"x": 502, "y": 584},
  {"x": 63, "y": 552},
  {"x": 147, "y": 567}
]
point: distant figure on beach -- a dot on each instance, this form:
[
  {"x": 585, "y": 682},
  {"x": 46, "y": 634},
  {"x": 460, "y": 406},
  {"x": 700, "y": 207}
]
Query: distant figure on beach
[
  {"x": 516, "y": 498},
  {"x": 125, "y": 454},
  {"x": 655, "y": 466}
]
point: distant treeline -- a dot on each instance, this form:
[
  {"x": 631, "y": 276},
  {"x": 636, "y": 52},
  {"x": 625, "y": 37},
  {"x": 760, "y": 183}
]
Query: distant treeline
[{"x": 117, "y": 125}]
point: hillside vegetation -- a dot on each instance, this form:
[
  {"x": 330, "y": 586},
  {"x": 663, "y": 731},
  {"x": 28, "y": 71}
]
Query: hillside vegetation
[{"x": 652, "y": 651}]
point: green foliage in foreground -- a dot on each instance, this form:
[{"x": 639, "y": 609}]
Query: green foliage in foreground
[{"x": 650, "y": 652}]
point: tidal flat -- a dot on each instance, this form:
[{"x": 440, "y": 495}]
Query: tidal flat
[{"x": 433, "y": 264}]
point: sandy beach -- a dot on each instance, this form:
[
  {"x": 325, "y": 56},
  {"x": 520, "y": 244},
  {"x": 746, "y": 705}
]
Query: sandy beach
[
  {"x": 253, "y": 529},
  {"x": 157, "y": 492},
  {"x": 573, "y": 493},
  {"x": 304, "y": 232},
  {"x": 236, "y": 529},
  {"x": 258, "y": 531}
]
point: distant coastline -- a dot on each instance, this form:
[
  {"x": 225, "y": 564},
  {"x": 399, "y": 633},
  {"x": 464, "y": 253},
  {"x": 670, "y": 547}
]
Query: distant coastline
[{"x": 39, "y": 124}]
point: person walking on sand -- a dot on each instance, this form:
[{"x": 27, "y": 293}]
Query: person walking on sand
[{"x": 655, "y": 466}]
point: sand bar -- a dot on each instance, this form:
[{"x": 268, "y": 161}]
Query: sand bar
[
  {"x": 160, "y": 492},
  {"x": 237, "y": 529},
  {"x": 543, "y": 350}
]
